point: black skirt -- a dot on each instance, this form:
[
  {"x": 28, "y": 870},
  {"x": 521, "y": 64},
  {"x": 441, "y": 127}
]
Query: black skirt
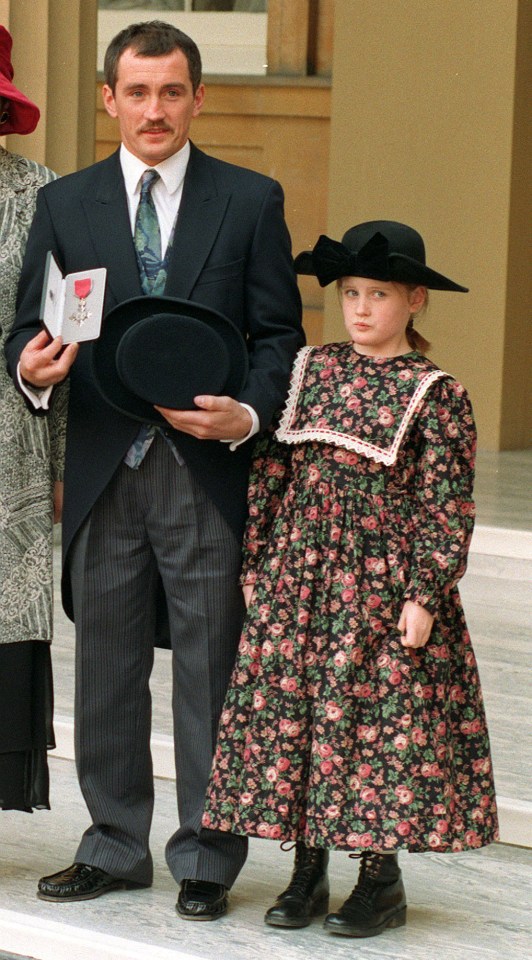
[{"x": 26, "y": 727}]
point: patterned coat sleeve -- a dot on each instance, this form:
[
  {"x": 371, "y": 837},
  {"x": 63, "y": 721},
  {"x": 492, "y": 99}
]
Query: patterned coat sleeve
[
  {"x": 269, "y": 477},
  {"x": 444, "y": 489},
  {"x": 57, "y": 426}
]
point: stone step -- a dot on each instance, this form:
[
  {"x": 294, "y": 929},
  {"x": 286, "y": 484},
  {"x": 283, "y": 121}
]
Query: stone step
[
  {"x": 501, "y": 542},
  {"x": 515, "y": 815},
  {"x": 471, "y": 905},
  {"x": 493, "y": 590}
]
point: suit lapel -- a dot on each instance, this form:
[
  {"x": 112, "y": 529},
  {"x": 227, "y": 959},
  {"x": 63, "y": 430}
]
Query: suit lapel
[
  {"x": 110, "y": 231},
  {"x": 200, "y": 215}
]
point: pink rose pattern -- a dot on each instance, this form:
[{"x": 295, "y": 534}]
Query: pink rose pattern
[{"x": 331, "y": 732}]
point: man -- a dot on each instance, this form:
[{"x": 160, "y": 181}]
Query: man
[{"x": 176, "y": 509}]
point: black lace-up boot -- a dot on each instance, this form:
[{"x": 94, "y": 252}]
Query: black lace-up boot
[
  {"x": 307, "y": 894},
  {"x": 377, "y": 902}
]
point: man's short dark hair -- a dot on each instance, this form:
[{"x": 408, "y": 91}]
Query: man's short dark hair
[{"x": 151, "y": 39}]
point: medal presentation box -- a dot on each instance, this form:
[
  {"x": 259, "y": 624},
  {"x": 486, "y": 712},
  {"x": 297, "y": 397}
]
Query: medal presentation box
[{"x": 72, "y": 306}]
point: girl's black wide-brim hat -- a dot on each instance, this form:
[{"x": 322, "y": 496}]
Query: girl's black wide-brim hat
[
  {"x": 166, "y": 351},
  {"x": 379, "y": 250}
]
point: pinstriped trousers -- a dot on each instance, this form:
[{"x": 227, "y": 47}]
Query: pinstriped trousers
[{"x": 154, "y": 519}]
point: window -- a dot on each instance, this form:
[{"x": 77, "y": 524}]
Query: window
[
  {"x": 231, "y": 34},
  {"x": 190, "y": 6}
]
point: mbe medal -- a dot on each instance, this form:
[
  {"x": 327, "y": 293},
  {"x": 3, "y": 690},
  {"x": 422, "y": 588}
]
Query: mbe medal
[{"x": 82, "y": 289}]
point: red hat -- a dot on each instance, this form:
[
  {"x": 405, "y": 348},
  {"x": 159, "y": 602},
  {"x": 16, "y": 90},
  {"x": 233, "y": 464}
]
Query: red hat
[{"x": 23, "y": 115}]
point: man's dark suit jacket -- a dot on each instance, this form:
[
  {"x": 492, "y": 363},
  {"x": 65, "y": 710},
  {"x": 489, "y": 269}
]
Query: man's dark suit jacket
[{"x": 231, "y": 251}]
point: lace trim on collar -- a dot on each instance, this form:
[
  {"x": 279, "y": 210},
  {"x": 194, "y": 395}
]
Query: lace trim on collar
[{"x": 288, "y": 432}]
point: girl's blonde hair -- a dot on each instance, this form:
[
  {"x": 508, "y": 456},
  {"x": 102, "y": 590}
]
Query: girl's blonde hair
[{"x": 415, "y": 339}]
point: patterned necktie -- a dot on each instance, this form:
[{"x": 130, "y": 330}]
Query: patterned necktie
[
  {"x": 147, "y": 239},
  {"x": 152, "y": 270}
]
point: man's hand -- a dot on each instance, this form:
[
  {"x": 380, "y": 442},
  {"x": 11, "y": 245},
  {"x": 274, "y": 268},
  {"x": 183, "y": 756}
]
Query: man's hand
[
  {"x": 42, "y": 364},
  {"x": 219, "y": 418},
  {"x": 415, "y": 624}
]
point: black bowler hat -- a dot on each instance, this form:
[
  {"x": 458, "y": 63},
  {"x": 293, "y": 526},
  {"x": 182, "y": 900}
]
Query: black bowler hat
[
  {"x": 377, "y": 249},
  {"x": 166, "y": 351}
]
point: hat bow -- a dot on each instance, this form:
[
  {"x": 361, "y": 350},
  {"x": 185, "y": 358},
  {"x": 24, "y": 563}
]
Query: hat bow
[{"x": 332, "y": 259}]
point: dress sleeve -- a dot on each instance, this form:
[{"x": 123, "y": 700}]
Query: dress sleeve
[
  {"x": 268, "y": 479},
  {"x": 444, "y": 490}
]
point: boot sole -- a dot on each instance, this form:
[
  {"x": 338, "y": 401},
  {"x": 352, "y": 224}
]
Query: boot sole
[
  {"x": 398, "y": 920},
  {"x": 318, "y": 909}
]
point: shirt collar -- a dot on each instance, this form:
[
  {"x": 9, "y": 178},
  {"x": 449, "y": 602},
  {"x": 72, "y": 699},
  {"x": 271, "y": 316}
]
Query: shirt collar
[{"x": 171, "y": 171}]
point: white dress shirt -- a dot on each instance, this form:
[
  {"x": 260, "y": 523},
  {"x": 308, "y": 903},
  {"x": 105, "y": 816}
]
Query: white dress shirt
[{"x": 166, "y": 192}]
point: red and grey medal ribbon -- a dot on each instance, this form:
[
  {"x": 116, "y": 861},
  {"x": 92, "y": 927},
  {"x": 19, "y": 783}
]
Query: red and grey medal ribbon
[{"x": 82, "y": 289}]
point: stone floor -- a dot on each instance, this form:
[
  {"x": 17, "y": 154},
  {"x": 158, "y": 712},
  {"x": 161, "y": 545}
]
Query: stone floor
[
  {"x": 472, "y": 906},
  {"x": 461, "y": 907}
]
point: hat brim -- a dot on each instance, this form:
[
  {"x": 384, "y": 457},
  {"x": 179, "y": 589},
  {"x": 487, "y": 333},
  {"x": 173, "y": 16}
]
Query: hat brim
[
  {"x": 399, "y": 268},
  {"x": 405, "y": 269},
  {"x": 166, "y": 350},
  {"x": 23, "y": 113}
]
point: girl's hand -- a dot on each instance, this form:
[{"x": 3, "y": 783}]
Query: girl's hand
[
  {"x": 415, "y": 624},
  {"x": 248, "y": 590}
]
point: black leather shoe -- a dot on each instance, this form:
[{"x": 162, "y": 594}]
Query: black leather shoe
[
  {"x": 377, "y": 903},
  {"x": 201, "y": 900},
  {"x": 80, "y": 882},
  {"x": 307, "y": 894}
]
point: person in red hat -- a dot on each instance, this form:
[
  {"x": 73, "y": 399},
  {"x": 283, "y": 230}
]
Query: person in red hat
[
  {"x": 30, "y": 460},
  {"x": 17, "y": 113}
]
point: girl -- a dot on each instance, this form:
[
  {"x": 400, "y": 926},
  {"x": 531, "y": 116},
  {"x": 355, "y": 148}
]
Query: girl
[{"x": 354, "y": 720}]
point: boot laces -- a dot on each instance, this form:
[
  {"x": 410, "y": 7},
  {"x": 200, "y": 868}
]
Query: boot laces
[
  {"x": 367, "y": 883},
  {"x": 306, "y": 872},
  {"x": 301, "y": 879}
]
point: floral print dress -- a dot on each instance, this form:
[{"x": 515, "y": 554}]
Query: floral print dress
[{"x": 332, "y": 733}]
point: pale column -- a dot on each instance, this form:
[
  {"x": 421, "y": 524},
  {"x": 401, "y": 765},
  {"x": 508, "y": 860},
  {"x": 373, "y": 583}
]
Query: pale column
[
  {"x": 4, "y": 13},
  {"x": 54, "y": 43},
  {"x": 321, "y": 38},
  {"x": 288, "y": 37},
  {"x": 430, "y": 106}
]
